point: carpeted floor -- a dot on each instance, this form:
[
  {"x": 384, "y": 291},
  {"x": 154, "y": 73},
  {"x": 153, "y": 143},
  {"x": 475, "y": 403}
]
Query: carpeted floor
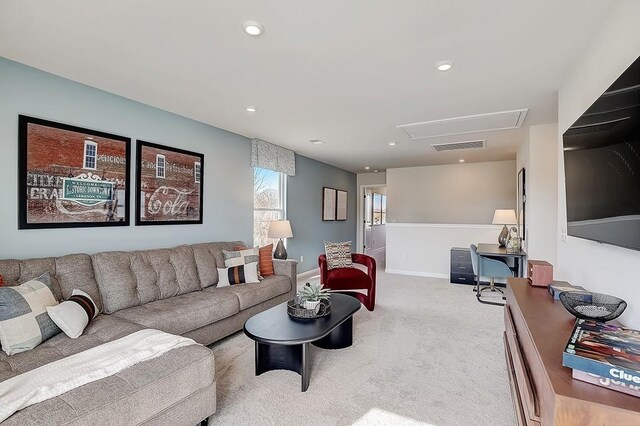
[{"x": 428, "y": 354}]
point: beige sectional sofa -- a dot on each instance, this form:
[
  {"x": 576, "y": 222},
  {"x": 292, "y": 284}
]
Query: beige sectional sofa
[{"x": 173, "y": 290}]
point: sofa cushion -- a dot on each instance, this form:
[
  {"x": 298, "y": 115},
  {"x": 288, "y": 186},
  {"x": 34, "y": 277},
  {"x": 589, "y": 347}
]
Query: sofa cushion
[
  {"x": 251, "y": 294},
  {"x": 181, "y": 314},
  {"x": 208, "y": 257},
  {"x": 104, "y": 328},
  {"x": 129, "y": 279},
  {"x": 131, "y": 396}
]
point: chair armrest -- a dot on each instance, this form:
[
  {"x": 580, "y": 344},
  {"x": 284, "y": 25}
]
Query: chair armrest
[
  {"x": 288, "y": 267},
  {"x": 367, "y": 261},
  {"x": 322, "y": 265}
]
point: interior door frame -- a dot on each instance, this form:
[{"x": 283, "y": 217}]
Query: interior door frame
[{"x": 361, "y": 219}]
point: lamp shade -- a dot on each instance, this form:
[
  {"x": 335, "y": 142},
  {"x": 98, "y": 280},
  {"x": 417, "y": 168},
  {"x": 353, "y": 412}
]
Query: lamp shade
[
  {"x": 280, "y": 229},
  {"x": 504, "y": 217}
]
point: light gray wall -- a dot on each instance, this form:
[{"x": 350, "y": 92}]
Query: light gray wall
[
  {"x": 457, "y": 193},
  {"x": 228, "y": 199},
  {"x": 304, "y": 210}
]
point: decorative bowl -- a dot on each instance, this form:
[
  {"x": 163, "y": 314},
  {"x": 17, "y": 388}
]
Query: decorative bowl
[
  {"x": 592, "y": 306},
  {"x": 297, "y": 310}
]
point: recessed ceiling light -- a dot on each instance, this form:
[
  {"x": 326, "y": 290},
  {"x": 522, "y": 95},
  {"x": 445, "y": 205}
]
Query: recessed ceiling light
[
  {"x": 251, "y": 109},
  {"x": 393, "y": 143},
  {"x": 317, "y": 142},
  {"x": 461, "y": 160},
  {"x": 252, "y": 28},
  {"x": 444, "y": 65},
  {"x": 367, "y": 167}
]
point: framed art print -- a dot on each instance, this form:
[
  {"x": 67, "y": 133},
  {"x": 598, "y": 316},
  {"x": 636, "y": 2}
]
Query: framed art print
[
  {"x": 328, "y": 204},
  {"x": 71, "y": 176},
  {"x": 341, "y": 204},
  {"x": 169, "y": 184},
  {"x": 522, "y": 202}
]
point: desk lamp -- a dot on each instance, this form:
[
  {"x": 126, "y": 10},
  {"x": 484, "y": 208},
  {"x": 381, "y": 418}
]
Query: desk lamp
[{"x": 504, "y": 217}]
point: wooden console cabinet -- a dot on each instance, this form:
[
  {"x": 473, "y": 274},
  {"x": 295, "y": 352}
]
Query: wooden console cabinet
[{"x": 543, "y": 391}]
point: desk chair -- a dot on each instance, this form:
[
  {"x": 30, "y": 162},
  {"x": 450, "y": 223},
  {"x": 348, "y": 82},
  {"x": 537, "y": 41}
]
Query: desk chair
[{"x": 488, "y": 267}]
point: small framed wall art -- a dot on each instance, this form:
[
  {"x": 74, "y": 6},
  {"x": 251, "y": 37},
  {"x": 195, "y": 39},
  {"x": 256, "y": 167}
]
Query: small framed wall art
[
  {"x": 341, "y": 204},
  {"x": 70, "y": 176},
  {"x": 169, "y": 185},
  {"x": 328, "y": 204}
]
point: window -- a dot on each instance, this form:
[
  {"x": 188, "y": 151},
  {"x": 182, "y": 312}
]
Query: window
[
  {"x": 90, "y": 154},
  {"x": 196, "y": 172},
  {"x": 160, "y": 163},
  {"x": 379, "y": 209},
  {"x": 269, "y": 195}
]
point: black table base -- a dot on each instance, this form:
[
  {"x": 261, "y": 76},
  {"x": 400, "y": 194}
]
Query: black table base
[{"x": 297, "y": 357}]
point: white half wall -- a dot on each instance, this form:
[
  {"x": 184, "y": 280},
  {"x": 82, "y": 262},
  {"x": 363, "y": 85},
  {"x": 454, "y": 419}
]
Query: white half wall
[
  {"x": 599, "y": 267},
  {"x": 424, "y": 248}
]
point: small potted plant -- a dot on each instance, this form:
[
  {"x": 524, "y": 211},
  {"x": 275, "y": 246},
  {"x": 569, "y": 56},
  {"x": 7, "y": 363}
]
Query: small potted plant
[{"x": 312, "y": 294}]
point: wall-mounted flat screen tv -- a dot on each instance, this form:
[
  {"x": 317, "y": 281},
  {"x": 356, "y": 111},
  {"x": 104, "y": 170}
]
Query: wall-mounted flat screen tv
[{"x": 602, "y": 166}]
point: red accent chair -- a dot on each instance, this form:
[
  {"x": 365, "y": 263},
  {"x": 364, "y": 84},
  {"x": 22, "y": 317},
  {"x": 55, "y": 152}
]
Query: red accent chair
[{"x": 345, "y": 279}]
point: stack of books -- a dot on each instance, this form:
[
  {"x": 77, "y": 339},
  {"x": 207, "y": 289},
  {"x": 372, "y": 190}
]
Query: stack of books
[{"x": 605, "y": 355}]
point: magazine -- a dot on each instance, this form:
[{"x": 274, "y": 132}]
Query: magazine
[
  {"x": 607, "y": 383},
  {"x": 606, "y": 350}
]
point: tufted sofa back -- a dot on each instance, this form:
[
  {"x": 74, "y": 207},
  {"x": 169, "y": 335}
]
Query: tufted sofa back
[{"x": 73, "y": 271}]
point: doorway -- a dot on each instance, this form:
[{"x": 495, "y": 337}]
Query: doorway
[{"x": 374, "y": 238}]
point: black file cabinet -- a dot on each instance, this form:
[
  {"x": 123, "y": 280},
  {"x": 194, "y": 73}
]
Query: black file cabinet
[{"x": 461, "y": 271}]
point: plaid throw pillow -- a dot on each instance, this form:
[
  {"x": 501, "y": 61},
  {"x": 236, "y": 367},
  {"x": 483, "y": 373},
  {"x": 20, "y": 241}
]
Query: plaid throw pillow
[
  {"x": 24, "y": 322},
  {"x": 265, "y": 265},
  {"x": 338, "y": 255}
]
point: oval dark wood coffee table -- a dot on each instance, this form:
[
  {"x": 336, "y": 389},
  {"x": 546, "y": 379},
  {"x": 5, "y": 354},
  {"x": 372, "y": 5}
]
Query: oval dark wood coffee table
[{"x": 282, "y": 342}]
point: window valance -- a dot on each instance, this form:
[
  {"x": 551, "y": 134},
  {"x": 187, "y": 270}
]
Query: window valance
[{"x": 273, "y": 157}]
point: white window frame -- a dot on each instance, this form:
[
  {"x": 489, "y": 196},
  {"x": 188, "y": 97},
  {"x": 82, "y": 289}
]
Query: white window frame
[
  {"x": 282, "y": 192},
  {"x": 197, "y": 171},
  {"x": 87, "y": 143},
  {"x": 164, "y": 166}
]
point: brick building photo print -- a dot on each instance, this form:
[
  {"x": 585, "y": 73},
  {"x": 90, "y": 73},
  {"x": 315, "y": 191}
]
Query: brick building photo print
[
  {"x": 71, "y": 176},
  {"x": 168, "y": 185}
]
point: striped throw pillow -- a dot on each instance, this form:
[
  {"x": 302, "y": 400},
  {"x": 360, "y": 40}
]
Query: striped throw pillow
[
  {"x": 74, "y": 314},
  {"x": 338, "y": 255},
  {"x": 24, "y": 322},
  {"x": 239, "y": 274},
  {"x": 265, "y": 262}
]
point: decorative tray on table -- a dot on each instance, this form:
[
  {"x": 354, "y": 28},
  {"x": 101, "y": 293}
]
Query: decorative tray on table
[{"x": 296, "y": 309}]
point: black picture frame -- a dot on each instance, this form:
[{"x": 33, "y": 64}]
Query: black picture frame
[
  {"x": 56, "y": 183},
  {"x": 521, "y": 202},
  {"x": 168, "y": 205}
]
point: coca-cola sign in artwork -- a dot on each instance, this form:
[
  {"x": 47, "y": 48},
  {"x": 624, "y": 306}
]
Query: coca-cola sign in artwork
[
  {"x": 169, "y": 185},
  {"x": 71, "y": 176}
]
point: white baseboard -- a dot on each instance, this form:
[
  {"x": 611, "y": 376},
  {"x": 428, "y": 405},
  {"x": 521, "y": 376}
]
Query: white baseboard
[
  {"x": 309, "y": 274},
  {"x": 416, "y": 273},
  {"x": 376, "y": 250}
]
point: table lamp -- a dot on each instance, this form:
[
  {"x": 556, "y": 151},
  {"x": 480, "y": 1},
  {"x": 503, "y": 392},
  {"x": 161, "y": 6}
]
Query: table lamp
[
  {"x": 504, "y": 217},
  {"x": 280, "y": 229}
]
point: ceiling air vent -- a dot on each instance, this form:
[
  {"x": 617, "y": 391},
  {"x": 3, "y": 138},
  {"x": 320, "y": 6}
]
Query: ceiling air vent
[
  {"x": 458, "y": 145},
  {"x": 470, "y": 124}
]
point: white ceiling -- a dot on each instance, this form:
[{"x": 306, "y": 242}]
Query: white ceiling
[{"x": 346, "y": 72}]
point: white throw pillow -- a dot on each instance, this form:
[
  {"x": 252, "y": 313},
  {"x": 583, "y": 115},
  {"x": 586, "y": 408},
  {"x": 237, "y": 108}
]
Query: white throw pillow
[
  {"x": 73, "y": 315},
  {"x": 238, "y": 274}
]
